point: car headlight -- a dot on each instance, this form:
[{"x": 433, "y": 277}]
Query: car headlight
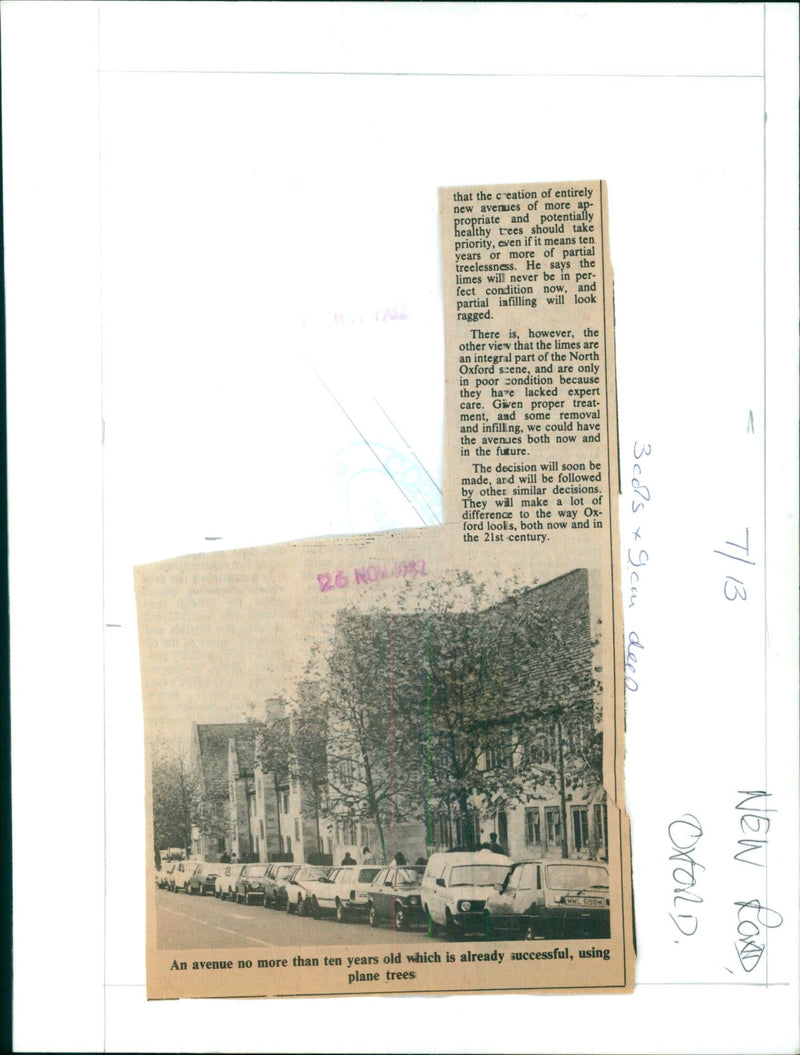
[{"x": 464, "y": 906}]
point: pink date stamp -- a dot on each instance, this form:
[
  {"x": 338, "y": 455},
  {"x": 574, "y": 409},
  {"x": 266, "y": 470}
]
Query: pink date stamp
[{"x": 340, "y": 580}]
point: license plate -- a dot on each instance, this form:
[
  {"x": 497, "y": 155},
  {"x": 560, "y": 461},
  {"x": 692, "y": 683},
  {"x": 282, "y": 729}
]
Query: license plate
[{"x": 584, "y": 902}]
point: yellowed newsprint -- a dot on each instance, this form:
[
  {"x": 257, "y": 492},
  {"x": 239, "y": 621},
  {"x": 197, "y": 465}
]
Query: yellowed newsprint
[{"x": 393, "y": 763}]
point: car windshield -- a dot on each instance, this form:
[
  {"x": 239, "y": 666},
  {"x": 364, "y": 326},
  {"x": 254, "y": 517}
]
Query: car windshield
[
  {"x": 478, "y": 875},
  {"x": 366, "y": 875},
  {"x": 408, "y": 876},
  {"x": 283, "y": 871},
  {"x": 311, "y": 872},
  {"x": 577, "y": 877},
  {"x": 256, "y": 870}
]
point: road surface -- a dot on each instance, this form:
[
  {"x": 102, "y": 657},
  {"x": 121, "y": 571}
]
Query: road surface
[{"x": 203, "y": 922}]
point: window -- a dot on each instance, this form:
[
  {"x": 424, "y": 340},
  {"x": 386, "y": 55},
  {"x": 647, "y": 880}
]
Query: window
[
  {"x": 344, "y": 771},
  {"x": 346, "y": 831},
  {"x": 601, "y": 825},
  {"x": 367, "y": 838},
  {"x": 468, "y": 829},
  {"x": 580, "y": 827},
  {"x": 579, "y": 736},
  {"x": 501, "y": 822},
  {"x": 261, "y": 828},
  {"x": 297, "y": 829},
  {"x": 513, "y": 879},
  {"x": 442, "y": 831},
  {"x": 499, "y": 751},
  {"x": 284, "y": 802},
  {"x": 553, "y": 821},
  {"x": 533, "y": 826},
  {"x": 551, "y": 745},
  {"x": 542, "y": 748},
  {"x": 526, "y": 877},
  {"x": 288, "y": 844}
]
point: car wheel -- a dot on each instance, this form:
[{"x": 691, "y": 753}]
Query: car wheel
[
  {"x": 450, "y": 930},
  {"x": 341, "y": 915},
  {"x": 432, "y": 928},
  {"x": 289, "y": 906},
  {"x": 373, "y": 916},
  {"x": 302, "y": 905},
  {"x": 528, "y": 930},
  {"x": 400, "y": 921}
]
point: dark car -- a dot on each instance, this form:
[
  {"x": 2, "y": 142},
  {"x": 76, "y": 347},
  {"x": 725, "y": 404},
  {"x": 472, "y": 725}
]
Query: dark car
[
  {"x": 551, "y": 899},
  {"x": 254, "y": 884},
  {"x": 204, "y": 878},
  {"x": 280, "y": 874},
  {"x": 395, "y": 897}
]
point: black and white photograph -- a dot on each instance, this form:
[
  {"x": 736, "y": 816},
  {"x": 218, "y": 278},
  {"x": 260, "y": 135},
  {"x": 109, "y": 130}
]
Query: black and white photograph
[{"x": 424, "y": 767}]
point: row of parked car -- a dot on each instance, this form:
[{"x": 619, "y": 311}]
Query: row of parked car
[{"x": 481, "y": 893}]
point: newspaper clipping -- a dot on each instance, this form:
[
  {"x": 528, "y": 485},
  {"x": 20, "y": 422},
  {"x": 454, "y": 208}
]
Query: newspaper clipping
[{"x": 393, "y": 763}]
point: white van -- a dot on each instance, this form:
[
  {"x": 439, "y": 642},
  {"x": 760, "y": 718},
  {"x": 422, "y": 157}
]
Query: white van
[{"x": 455, "y": 888}]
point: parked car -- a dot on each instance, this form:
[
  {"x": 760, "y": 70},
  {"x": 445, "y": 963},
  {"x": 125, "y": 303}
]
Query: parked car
[
  {"x": 184, "y": 870},
  {"x": 254, "y": 884},
  {"x": 298, "y": 894},
  {"x": 225, "y": 886},
  {"x": 280, "y": 873},
  {"x": 455, "y": 888},
  {"x": 395, "y": 897},
  {"x": 164, "y": 877},
  {"x": 320, "y": 892},
  {"x": 342, "y": 891},
  {"x": 204, "y": 878},
  {"x": 353, "y": 895},
  {"x": 551, "y": 899}
]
